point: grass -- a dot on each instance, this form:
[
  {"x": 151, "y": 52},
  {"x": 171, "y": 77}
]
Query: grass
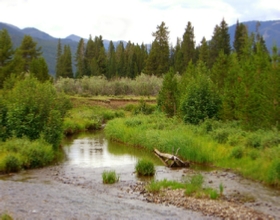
[
  {"x": 145, "y": 167},
  {"x": 17, "y": 154},
  {"x": 110, "y": 177},
  {"x": 192, "y": 186},
  {"x": 5, "y": 216},
  {"x": 223, "y": 145},
  {"x": 85, "y": 118}
]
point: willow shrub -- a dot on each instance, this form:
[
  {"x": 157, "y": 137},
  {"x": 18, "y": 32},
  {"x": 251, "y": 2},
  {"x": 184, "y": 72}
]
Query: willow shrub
[
  {"x": 143, "y": 85},
  {"x": 34, "y": 110}
]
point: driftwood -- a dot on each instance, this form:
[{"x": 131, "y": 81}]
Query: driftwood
[{"x": 171, "y": 160}]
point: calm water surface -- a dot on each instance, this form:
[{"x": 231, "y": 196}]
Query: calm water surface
[{"x": 94, "y": 150}]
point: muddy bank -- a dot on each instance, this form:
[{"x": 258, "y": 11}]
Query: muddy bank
[{"x": 72, "y": 192}]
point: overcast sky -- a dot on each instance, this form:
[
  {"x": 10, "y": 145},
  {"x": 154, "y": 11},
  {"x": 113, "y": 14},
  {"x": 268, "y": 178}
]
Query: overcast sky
[{"x": 133, "y": 20}]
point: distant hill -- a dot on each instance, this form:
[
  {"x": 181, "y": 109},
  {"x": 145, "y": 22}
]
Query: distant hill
[
  {"x": 270, "y": 30},
  {"x": 47, "y": 42}
]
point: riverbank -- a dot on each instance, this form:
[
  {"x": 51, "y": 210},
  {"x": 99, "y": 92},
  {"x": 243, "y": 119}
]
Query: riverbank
[{"x": 71, "y": 192}]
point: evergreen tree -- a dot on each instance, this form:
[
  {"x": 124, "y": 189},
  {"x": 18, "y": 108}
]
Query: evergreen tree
[
  {"x": 168, "y": 97},
  {"x": 66, "y": 62},
  {"x": 188, "y": 45},
  {"x": 39, "y": 69},
  {"x": 28, "y": 51},
  {"x": 240, "y": 38},
  {"x": 6, "y": 55},
  {"x": 178, "y": 58},
  {"x": 111, "y": 59},
  {"x": 89, "y": 55},
  {"x": 159, "y": 52},
  {"x": 80, "y": 59},
  {"x": 220, "y": 42},
  {"x": 58, "y": 67},
  {"x": 204, "y": 51},
  {"x": 120, "y": 60}
]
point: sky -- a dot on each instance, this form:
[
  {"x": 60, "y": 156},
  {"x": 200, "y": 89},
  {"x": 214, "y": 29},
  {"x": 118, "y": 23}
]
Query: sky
[{"x": 133, "y": 20}]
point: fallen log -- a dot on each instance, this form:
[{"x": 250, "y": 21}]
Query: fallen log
[{"x": 171, "y": 160}]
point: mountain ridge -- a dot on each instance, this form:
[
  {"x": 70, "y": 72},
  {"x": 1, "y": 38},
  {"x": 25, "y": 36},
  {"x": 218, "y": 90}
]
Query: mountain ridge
[{"x": 270, "y": 30}]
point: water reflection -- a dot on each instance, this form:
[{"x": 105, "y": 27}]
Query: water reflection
[{"x": 94, "y": 150}]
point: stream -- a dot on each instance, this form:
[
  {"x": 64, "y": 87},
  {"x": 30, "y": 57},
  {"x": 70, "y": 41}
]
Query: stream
[{"x": 73, "y": 189}]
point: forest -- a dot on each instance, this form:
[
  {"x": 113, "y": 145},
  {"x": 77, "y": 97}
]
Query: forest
[{"x": 201, "y": 84}]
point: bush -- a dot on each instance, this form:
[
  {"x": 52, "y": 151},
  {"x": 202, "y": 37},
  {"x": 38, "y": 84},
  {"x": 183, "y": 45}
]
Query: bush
[
  {"x": 11, "y": 163},
  {"x": 145, "y": 167},
  {"x": 34, "y": 109},
  {"x": 237, "y": 152},
  {"x": 110, "y": 177},
  {"x": 200, "y": 102}
]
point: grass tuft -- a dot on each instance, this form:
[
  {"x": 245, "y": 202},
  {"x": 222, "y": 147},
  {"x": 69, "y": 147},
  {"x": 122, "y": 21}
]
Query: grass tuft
[
  {"x": 110, "y": 177},
  {"x": 145, "y": 167}
]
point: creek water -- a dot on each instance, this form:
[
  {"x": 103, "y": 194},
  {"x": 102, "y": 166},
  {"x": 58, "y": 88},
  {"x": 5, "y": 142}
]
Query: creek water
[
  {"x": 73, "y": 189},
  {"x": 93, "y": 150}
]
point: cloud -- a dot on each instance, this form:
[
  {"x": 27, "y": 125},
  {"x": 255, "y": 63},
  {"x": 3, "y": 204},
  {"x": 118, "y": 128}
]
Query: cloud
[{"x": 133, "y": 20}]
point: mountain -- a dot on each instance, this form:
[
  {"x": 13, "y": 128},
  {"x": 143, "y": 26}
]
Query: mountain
[
  {"x": 47, "y": 42},
  {"x": 270, "y": 30}
]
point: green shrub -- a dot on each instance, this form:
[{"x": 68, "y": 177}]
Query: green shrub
[
  {"x": 11, "y": 163},
  {"x": 110, "y": 177},
  {"x": 145, "y": 167},
  {"x": 35, "y": 109},
  {"x": 201, "y": 101},
  {"x": 237, "y": 152}
]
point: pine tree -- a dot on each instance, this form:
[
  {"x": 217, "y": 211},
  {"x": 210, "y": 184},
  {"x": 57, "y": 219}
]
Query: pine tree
[
  {"x": 220, "y": 42},
  {"x": 58, "y": 67},
  {"x": 178, "y": 58},
  {"x": 168, "y": 97},
  {"x": 28, "y": 51},
  {"x": 188, "y": 45},
  {"x": 111, "y": 59},
  {"x": 66, "y": 62},
  {"x": 204, "y": 51},
  {"x": 6, "y": 55},
  {"x": 89, "y": 55},
  {"x": 240, "y": 38},
  {"x": 120, "y": 60},
  {"x": 80, "y": 59},
  {"x": 39, "y": 69},
  {"x": 159, "y": 52}
]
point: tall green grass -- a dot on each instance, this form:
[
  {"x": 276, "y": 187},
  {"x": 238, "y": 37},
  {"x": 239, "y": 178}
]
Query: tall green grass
[
  {"x": 85, "y": 118},
  {"x": 17, "y": 154},
  {"x": 254, "y": 155}
]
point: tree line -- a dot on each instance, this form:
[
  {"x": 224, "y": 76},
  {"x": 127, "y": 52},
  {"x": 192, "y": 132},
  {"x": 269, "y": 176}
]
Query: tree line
[{"x": 26, "y": 58}]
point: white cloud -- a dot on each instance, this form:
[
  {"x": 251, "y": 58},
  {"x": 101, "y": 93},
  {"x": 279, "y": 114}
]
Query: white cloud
[{"x": 133, "y": 20}]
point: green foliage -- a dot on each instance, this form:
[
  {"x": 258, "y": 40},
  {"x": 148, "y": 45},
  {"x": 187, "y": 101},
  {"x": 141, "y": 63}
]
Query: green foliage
[
  {"x": 17, "y": 154},
  {"x": 145, "y": 167},
  {"x": 11, "y": 163},
  {"x": 168, "y": 97},
  {"x": 200, "y": 102},
  {"x": 32, "y": 110},
  {"x": 237, "y": 152},
  {"x": 110, "y": 177},
  {"x": 98, "y": 85}
]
